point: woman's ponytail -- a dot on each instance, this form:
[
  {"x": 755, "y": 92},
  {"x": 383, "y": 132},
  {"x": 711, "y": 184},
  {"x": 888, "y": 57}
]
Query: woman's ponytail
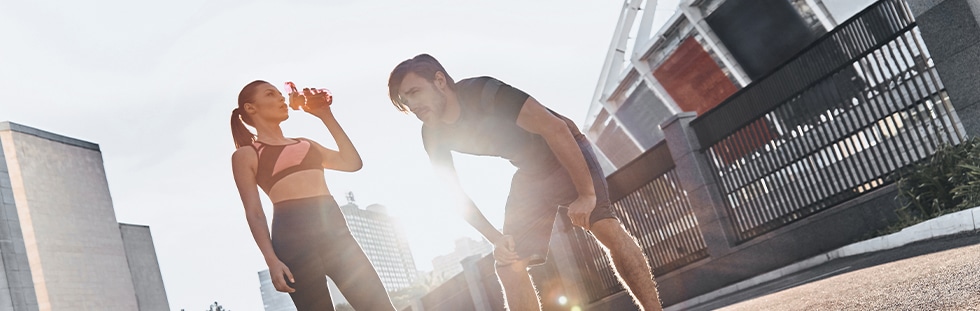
[
  {"x": 243, "y": 137},
  {"x": 241, "y": 134}
]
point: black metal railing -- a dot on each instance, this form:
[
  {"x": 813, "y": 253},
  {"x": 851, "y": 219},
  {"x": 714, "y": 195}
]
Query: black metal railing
[
  {"x": 833, "y": 122},
  {"x": 648, "y": 199}
]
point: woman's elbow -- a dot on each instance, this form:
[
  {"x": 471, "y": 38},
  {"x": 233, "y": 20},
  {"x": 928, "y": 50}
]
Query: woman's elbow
[
  {"x": 352, "y": 166},
  {"x": 356, "y": 166}
]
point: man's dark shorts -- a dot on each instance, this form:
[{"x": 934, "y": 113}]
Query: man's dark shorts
[{"x": 535, "y": 198}]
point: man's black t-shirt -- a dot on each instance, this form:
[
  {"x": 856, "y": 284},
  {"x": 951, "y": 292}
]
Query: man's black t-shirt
[{"x": 487, "y": 125}]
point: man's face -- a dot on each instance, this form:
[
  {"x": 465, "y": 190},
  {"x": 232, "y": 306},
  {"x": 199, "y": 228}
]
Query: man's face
[{"x": 422, "y": 97}]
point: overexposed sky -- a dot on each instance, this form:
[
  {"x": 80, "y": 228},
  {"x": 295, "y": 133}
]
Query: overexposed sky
[{"x": 154, "y": 83}]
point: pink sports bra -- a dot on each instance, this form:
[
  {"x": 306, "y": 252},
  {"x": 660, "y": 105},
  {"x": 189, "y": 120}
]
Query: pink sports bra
[{"x": 278, "y": 161}]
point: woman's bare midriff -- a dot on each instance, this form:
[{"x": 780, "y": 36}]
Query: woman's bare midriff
[{"x": 298, "y": 185}]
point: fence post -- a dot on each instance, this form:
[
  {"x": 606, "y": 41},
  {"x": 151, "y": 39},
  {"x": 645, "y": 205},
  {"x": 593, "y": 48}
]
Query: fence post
[
  {"x": 951, "y": 32},
  {"x": 474, "y": 282},
  {"x": 566, "y": 263},
  {"x": 696, "y": 178}
]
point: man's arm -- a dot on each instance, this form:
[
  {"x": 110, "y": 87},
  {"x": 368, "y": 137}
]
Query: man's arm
[
  {"x": 503, "y": 245},
  {"x": 442, "y": 162},
  {"x": 536, "y": 119}
]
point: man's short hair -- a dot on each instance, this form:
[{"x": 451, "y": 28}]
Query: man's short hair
[{"x": 423, "y": 65}]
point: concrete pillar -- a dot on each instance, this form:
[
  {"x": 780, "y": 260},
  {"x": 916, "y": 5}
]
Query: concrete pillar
[
  {"x": 474, "y": 281},
  {"x": 951, "y": 32},
  {"x": 698, "y": 181},
  {"x": 564, "y": 257}
]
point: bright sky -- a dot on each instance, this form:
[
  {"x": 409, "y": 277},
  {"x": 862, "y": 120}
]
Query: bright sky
[{"x": 154, "y": 83}]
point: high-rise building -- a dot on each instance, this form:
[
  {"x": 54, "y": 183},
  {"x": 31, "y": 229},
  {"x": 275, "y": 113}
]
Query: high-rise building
[
  {"x": 273, "y": 300},
  {"x": 446, "y": 266},
  {"x": 60, "y": 244},
  {"x": 383, "y": 242}
]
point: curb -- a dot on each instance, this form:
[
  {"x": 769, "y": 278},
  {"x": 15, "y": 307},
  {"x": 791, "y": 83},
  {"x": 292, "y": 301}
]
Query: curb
[{"x": 945, "y": 225}]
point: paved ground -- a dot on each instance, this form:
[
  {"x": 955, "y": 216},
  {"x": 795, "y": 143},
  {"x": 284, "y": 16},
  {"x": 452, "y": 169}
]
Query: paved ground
[{"x": 940, "y": 274}]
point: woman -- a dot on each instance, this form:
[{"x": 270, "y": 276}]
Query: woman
[{"x": 310, "y": 238}]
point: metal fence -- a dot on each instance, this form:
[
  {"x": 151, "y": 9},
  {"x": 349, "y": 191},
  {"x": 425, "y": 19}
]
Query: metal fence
[
  {"x": 834, "y": 122},
  {"x": 658, "y": 214}
]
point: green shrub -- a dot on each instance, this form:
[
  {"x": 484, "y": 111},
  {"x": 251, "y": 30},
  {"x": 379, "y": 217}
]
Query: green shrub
[{"x": 946, "y": 182}]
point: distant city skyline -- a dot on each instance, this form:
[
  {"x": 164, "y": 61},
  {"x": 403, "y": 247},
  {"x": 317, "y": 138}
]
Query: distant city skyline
[{"x": 448, "y": 265}]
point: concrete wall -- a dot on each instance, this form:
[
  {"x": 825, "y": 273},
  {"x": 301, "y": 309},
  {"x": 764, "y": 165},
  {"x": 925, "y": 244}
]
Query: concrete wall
[
  {"x": 144, "y": 267},
  {"x": 16, "y": 283},
  {"x": 72, "y": 240},
  {"x": 846, "y": 223},
  {"x": 951, "y": 31}
]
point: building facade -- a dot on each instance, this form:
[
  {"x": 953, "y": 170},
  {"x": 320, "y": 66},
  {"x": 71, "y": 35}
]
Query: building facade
[
  {"x": 705, "y": 52},
  {"x": 62, "y": 247},
  {"x": 144, "y": 267}
]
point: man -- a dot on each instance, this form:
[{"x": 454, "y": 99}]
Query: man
[{"x": 555, "y": 167}]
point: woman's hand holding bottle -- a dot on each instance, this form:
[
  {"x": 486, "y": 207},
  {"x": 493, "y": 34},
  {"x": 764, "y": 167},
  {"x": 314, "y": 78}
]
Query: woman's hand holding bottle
[{"x": 314, "y": 101}]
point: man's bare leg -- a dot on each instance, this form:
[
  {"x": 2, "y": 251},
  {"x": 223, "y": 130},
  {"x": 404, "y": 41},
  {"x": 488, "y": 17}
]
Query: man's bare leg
[
  {"x": 518, "y": 290},
  {"x": 630, "y": 264}
]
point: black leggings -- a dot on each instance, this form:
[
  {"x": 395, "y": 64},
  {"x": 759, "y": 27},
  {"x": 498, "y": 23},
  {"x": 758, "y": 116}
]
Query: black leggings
[{"x": 311, "y": 237}]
